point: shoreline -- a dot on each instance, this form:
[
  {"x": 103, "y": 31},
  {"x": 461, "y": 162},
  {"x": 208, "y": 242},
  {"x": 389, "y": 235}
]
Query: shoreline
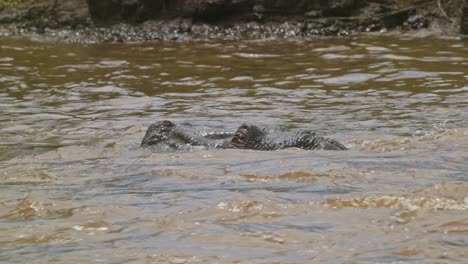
[{"x": 76, "y": 21}]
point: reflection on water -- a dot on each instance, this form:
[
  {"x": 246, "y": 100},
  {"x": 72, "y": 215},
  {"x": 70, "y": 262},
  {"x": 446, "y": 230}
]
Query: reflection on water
[{"x": 75, "y": 186}]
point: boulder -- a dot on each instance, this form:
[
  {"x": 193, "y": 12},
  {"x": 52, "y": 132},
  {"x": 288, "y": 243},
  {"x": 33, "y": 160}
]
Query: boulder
[
  {"x": 464, "y": 19},
  {"x": 212, "y": 10},
  {"x": 46, "y": 13}
]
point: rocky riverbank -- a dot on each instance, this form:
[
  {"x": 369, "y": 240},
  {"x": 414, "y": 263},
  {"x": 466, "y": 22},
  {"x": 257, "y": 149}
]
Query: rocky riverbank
[{"x": 90, "y": 21}]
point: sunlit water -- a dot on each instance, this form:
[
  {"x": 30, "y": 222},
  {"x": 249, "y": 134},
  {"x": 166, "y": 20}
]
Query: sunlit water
[{"x": 76, "y": 188}]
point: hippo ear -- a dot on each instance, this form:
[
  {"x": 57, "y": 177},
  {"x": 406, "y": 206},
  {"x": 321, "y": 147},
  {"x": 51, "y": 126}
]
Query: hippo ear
[
  {"x": 247, "y": 136},
  {"x": 156, "y": 132},
  {"x": 241, "y": 137},
  {"x": 242, "y": 131},
  {"x": 164, "y": 125}
]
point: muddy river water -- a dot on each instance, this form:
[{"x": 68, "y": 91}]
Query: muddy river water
[{"x": 75, "y": 187}]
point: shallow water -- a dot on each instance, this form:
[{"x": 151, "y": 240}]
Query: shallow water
[{"x": 76, "y": 188}]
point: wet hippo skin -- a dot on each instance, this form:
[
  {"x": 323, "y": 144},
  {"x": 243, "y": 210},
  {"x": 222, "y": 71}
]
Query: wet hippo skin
[{"x": 166, "y": 135}]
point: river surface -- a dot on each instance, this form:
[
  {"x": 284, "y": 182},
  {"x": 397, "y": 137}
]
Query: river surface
[{"x": 75, "y": 187}]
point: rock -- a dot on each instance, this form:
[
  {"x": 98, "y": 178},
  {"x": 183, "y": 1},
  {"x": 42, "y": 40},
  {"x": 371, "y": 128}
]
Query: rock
[
  {"x": 212, "y": 10},
  {"x": 416, "y": 22},
  {"x": 464, "y": 19},
  {"x": 47, "y": 13}
]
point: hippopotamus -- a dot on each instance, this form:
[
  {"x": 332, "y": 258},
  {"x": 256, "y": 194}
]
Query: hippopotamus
[{"x": 166, "y": 135}]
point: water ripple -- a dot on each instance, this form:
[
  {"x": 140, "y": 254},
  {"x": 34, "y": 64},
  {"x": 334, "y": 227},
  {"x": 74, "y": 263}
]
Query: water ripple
[{"x": 76, "y": 187}]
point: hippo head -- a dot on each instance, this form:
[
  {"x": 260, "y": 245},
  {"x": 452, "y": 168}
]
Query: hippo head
[
  {"x": 247, "y": 137},
  {"x": 157, "y": 132}
]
